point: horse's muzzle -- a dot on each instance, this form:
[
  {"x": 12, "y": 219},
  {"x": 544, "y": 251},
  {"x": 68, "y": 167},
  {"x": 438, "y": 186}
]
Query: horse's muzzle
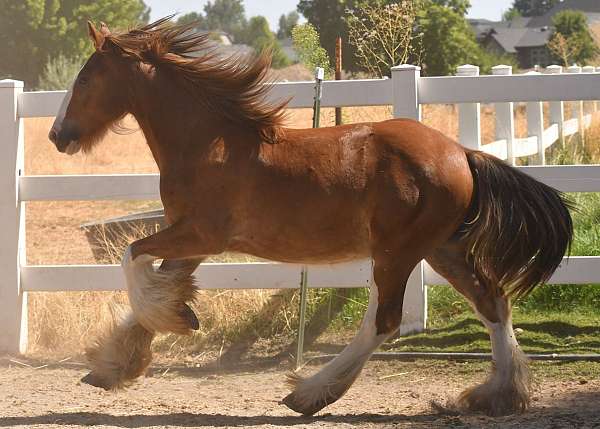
[{"x": 65, "y": 140}]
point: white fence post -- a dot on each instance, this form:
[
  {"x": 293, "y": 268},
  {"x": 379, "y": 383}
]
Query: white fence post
[
  {"x": 597, "y": 102},
  {"x": 13, "y": 301},
  {"x": 591, "y": 105},
  {"x": 535, "y": 125},
  {"x": 505, "y": 119},
  {"x": 406, "y": 105},
  {"x": 577, "y": 106},
  {"x": 469, "y": 115},
  {"x": 405, "y": 79},
  {"x": 557, "y": 108}
]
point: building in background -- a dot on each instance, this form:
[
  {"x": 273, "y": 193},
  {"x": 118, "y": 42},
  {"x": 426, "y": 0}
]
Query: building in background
[{"x": 527, "y": 38}]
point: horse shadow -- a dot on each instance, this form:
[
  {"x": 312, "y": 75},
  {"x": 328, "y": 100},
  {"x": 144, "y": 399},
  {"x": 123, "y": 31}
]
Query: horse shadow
[
  {"x": 205, "y": 419},
  {"x": 571, "y": 410}
]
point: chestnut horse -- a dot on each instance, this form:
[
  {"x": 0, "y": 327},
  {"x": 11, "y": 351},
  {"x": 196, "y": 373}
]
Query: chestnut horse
[{"x": 233, "y": 178}]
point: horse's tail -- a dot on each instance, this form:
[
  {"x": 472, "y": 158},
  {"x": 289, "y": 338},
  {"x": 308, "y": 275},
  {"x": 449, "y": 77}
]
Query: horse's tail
[{"x": 518, "y": 230}]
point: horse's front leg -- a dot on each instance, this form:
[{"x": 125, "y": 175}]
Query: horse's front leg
[
  {"x": 382, "y": 318},
  {"x": 122, "y": 353},
  {"x": 159, "y": 298}
]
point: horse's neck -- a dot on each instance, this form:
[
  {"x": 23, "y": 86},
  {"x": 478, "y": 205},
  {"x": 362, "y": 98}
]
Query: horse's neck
[{"x": 169, "y": 127}]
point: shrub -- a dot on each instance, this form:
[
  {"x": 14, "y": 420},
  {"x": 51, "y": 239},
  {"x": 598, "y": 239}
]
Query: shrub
[
  {"x": 59, "y": 73},
  {"x": 310, "y": 53}
]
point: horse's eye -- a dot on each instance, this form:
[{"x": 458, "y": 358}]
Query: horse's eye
[{"x": 83, "y": 80}]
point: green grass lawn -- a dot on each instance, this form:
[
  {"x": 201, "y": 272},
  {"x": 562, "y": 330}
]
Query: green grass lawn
[{"x": 453, "y": 327}]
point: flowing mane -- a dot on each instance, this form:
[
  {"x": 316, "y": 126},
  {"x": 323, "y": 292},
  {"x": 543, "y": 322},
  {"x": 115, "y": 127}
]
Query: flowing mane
[{"x": 236, "y": 87}]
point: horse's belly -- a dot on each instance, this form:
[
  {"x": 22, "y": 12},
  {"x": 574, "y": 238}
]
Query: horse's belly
[{"x": 321, "y": 246}]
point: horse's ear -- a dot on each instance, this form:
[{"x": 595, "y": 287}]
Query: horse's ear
[
  {"x": 104, "y": 29},
  {"x": 96, "y": 36}
]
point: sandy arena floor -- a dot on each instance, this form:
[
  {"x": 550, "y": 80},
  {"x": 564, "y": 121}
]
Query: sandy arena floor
[{"x": 387, "y": 395}]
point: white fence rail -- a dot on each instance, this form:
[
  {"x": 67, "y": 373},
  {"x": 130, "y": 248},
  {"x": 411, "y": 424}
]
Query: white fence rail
[{"x": 406, "y": 91}]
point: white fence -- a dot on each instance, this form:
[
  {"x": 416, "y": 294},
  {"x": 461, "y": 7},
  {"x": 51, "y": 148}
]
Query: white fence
[{"x": 406, "y": 91}]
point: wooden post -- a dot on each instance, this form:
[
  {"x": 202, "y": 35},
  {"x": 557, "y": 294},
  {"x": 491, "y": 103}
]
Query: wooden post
[
  {"x": 469, "y": 115},
  {"x": 13, "y": 301},
  {"x": 505, "y": 119},
  {"x": 405, "y": 83},
  {"x": 557, "y": 108},
  {"x": 338, "y": 75}
]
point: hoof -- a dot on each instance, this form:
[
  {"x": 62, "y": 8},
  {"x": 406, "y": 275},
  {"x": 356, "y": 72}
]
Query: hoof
[
  {"x": 489, "y": 399},
  {"x": 445, "y": 410},
  {"x": 190, "y": 317},
  {"x": 292, "y": 402},
  {"x": 93, "y": 380},
  {"x": 308, "y": 398}
]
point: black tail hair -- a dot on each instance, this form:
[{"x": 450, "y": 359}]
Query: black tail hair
[{"x": 519, "y": 229}]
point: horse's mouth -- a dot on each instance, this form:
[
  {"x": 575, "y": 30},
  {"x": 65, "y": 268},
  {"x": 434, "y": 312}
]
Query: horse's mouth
[{"x": 72, "y": 148}]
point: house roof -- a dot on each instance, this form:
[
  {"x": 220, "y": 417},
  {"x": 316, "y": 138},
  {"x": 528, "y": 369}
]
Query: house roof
[
  {"x": 481, "y": 27},
  {"x": 508, "y": 38},
  {"x": 516, "y": 22},
  {"x": 530, "y": 32},
  {"x": 511, "y": 39},
  {"x": 589, "y": 7},
  {"x": 534, "y": 37}
]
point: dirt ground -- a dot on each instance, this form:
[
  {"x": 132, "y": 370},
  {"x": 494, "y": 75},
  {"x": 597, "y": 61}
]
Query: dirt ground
[{"x": 387, "y": 395}]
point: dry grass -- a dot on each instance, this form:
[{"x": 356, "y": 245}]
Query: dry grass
[{"x": 63, "y": 323}]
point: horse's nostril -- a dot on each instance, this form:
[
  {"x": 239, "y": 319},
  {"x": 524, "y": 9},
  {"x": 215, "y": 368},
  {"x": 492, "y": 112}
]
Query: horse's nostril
[{"x": 53, "y": 135}]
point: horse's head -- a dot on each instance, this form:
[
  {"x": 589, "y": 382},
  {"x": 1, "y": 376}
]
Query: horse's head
[{"x": 95, "y": 100}]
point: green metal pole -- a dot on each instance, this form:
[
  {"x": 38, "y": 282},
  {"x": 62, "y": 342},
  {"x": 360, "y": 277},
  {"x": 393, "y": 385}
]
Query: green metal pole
[
  {"x": 302, "y": 321},
  {"x": 319, "y": 75}
]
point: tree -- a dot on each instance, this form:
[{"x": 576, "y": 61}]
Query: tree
[
  {"x": 572, "y": 40},
  {"x": 261, "y": 38},
  {"x": 459, "y": 6},
  {"x": 446, "y": 41},
  {"x": 510, "y": 14},
  {"x": 286, "y": 24},
  {"x": 34, "y": 31},
  {"x": 327, "y": 17},
  {"x": 533, "y": 7},
  {"x": 193, "y": 17},
  {"x": 563, "y": 49},
  {"x": 225, "y": 15},
  {"x": 59, "y": 73},
  {"x": 382, "y": 34},
  {"x": 307, "y": 46}
]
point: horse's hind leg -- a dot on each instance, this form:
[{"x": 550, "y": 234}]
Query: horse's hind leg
[
  {"x": 381, "y": 319},
  {"x": 122, "y": 353},
  {"x": 508, "y": 388}
]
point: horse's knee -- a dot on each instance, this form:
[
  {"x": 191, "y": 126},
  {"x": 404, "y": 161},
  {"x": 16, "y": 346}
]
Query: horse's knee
[{"x": 159, "y": 298}]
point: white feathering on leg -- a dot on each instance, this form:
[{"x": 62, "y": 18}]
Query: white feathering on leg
[
  {"x": 332, "y": 381},
  {"x": 157, "y": 297}
]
